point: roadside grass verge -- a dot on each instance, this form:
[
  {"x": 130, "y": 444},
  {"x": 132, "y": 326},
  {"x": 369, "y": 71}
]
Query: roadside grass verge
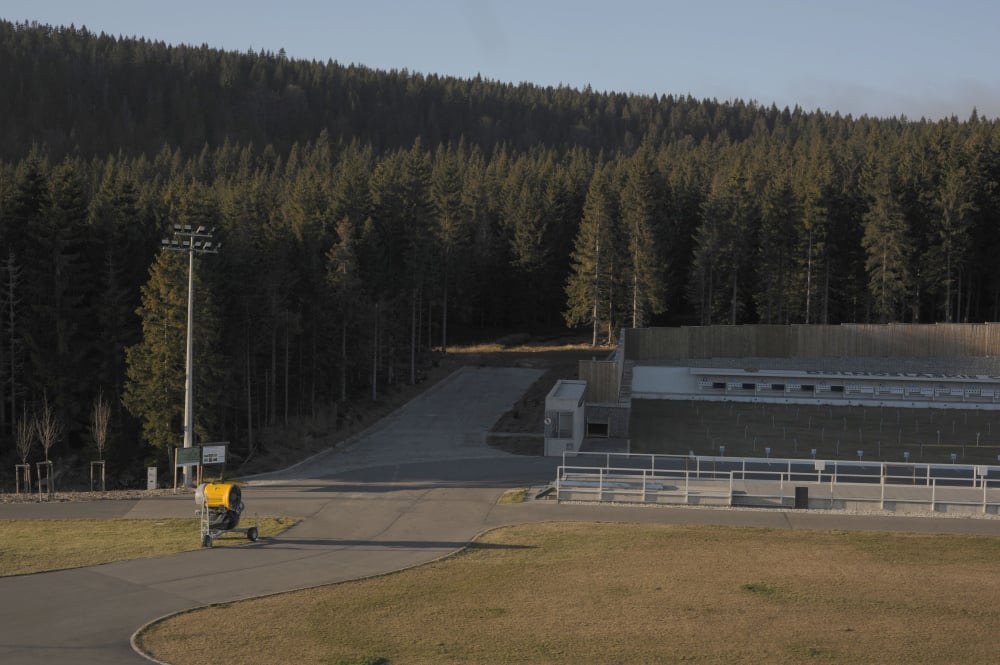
[
  {"x": 515, "y": 495},
  {"x": 614, "y": 593},
  {"x": 34, "y": 546}
]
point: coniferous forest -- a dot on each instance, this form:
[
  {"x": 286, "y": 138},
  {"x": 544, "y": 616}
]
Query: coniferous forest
[{"x": 367, "y": 218}]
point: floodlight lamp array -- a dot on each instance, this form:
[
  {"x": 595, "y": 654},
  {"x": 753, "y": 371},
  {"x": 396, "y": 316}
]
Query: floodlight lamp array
[
  {"x": 197, "y": 240},
  {"x": 200, "y": 230}
]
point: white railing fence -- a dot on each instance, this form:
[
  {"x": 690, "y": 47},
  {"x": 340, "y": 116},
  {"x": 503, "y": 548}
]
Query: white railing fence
[{"x": 756, "y": 481}]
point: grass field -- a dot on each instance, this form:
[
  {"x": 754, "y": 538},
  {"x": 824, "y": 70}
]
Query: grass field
[
  {"x": 34, "y": 546},
  {"x": 611, "y": 593},
  {"x": 836, "y": 432}
]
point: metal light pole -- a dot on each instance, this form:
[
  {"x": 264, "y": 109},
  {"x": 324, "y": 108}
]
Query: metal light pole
[{"x": 192, "y": 241}]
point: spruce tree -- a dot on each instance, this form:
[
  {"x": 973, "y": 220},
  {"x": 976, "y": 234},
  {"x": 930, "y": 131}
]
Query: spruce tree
[
  {"x": 115, "y": 249},
  {"x": 887, "y": 244},
  {"x": 812, "y": 183},
  {"x": 154, "y": 392},
  {"x": 345, "y": 280},
  {"x": 26, "y": 210},
  {"x": 780, "y": 218},
  {"x": 452, "y": 229},
  {"x": 420, "y": 239},
  {"x": 590, "y": 288},
  {"x": 155, "y": 365},
  {"x": 58, "y": 281},
  {"x": 949, "y": 241},
  {"x": 640, "y": 212}
]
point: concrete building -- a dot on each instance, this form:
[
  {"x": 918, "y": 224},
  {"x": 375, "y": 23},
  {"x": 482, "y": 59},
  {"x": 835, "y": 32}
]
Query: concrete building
[
  {"x": 898, "y": 365},
  {"x": 564, "y": 417}
]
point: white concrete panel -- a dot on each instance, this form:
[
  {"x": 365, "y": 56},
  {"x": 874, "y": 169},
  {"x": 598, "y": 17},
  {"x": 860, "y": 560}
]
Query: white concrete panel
[{"x": 660, "y": 380}]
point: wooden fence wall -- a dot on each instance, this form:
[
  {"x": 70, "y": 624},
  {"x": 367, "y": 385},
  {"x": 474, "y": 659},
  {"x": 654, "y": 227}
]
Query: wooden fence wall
[
  {"x": 855, "y": 340},
  {"x": 603, "y": 379}
]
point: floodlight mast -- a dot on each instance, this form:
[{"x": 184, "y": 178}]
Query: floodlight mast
[{"x": 192, "y": 241}]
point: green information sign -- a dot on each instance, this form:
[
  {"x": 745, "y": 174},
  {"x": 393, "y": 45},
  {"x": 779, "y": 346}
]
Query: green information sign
[{"x": 189, "y": 456}]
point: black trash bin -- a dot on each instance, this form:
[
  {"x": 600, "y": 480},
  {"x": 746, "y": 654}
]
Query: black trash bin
[{"x": 801, "y": 498}]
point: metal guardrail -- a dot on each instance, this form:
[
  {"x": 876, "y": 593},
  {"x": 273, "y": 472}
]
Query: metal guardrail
[{"x": 755, "y": 481}]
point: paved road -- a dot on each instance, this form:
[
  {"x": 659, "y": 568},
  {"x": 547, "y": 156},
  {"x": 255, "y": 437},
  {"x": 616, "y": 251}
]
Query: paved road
[{"x": 417, "y": 487}]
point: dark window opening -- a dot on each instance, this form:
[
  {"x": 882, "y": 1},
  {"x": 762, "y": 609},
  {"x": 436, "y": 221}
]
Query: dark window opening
[
  {"x": 808, "y": 388},
  {"x": 778, "y": 386},
  {"x": 836, "y": 389},
  {"x": 748, "y": 386},
  {"x": 718, "y": 385},
  {"x": 564, "y": 429},
  {"x": 597, "y": 428}
]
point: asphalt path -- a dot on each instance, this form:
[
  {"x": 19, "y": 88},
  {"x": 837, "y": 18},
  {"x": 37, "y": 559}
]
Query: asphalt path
[{"x": 418, "y": 486}]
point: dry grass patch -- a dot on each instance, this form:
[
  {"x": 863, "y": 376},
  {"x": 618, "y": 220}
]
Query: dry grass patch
[
  {"x": 609, "y": 593},
  {"x": 516, "y": 495},
  {"x": 34, "y": 546},
  {"x": 521, "y": 347}
]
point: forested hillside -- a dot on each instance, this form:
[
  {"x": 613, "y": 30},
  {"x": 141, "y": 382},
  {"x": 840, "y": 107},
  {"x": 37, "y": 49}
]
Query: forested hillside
[{"x": 365, "y": 216}]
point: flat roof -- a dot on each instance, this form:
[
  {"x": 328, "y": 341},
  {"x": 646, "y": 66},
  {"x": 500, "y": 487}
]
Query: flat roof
[
  {"x": 567, "y": 389},
  {"x": 968, "y": 366},
  {"x": 845, "y": 375}
]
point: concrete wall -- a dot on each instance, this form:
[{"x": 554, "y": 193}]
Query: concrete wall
[
  {"x": 654, "y": 382},
  {"x": 603, "y": 379},
  {"x": 616, "y": 416}
]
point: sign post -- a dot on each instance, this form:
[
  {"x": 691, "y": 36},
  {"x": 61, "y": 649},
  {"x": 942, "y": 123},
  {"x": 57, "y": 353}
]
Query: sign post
[
  {"x": 185, "y": 457},
  {"x": 213, "y": 453},
  {"x": 199, "y": 456}
]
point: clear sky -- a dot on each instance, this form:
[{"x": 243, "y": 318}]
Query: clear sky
[{"x": 921, "y": 58}]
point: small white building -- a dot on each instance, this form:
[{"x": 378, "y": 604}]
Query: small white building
[{"x": 564, "y": 417}]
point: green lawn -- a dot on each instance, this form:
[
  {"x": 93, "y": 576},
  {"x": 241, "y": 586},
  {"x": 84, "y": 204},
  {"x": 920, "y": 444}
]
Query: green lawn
[
  {"x": 614, "y": 593},
  {"x": 32, "y": 546}
]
